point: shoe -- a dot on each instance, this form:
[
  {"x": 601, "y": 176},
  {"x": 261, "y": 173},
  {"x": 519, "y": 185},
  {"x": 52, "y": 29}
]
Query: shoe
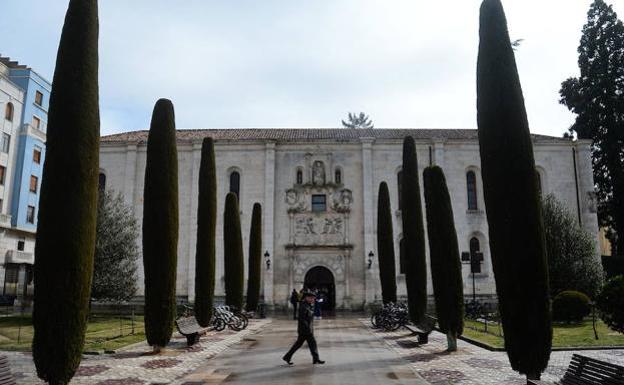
[
  {"x": 289, "y": 362},
  {"x": 320, "y": 362}
]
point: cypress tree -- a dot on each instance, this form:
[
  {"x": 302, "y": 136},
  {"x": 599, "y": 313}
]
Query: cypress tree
[
  {"x": 206, "y": 227},
  {"x": 233, "y": 253},
  {"x": 413, "y": 234},
  {"x": 68, "y": 204},
  {"x": 385, "y": 246},
  {"x": 255, "y": 258},
  {"x": 160, "y": 226},
  {"x": 512, "y": 202},
  {"x": 446, "y": 270}
]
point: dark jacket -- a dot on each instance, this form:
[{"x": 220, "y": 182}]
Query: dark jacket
[
  {"x": 294, "y": 298},
  {"x": 306, "y": 317}
]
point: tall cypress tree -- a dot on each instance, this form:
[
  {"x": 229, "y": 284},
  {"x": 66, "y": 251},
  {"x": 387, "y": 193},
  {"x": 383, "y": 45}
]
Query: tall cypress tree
[
  {"x": 597, "y": 97},
  {"x": 255, "y": 258},
  {"x": 446, "y": 270},
  {"x": 385, "y": 246},
  {"x": 160, "y": 226},
  {"x": 68, "y": 204},
  {"x": 512, "y": 202},
  {"x": 233, "y": 253},
  {"x": 413, "y": 234},
  {"x": 206, "y": 227}
]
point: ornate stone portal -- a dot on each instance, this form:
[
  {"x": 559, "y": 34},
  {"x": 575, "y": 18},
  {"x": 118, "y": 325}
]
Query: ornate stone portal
[{"x": 319, "y": 227}]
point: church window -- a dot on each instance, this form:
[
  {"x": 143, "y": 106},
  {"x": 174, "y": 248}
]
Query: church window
[
  {"x": 338, "y": 176},
  {"x": 471, "y": 181},
  {"x": 400, "y": 187},
  {"x": 8, "y": 112},
  {"x": 299, "y": 176},
  {"x": 475, "y": 247},
  {"x": 235, "y": 183},
  {"x": 319, "y": 203}
]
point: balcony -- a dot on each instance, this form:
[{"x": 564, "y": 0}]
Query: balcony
[
  {"x": 5, "y": 220},
  {"x": 15, "y": 256},
  {"x": 31, "y": 130}
]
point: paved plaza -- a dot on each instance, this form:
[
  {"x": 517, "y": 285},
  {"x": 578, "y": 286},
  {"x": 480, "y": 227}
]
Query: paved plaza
[{"x": 355, "y": 354}]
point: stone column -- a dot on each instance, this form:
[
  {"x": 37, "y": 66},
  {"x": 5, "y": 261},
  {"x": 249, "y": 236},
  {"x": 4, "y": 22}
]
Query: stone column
[
  {"x": 130, "y": 179},
  {"x": 368, "y": 197},
  {"x": 192, "y": 220},
  {"x": 438, "y": 153},
  {"x": 268, "y": 213}
]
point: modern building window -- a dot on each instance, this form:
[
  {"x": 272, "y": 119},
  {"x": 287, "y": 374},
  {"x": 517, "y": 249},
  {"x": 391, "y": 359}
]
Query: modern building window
[
  {"x": 30, "y": 214},
  {"x": 338, "y": 176},
  {"x": 21, "y": 244},
  {"x": 38, "y": 98},
  {"x": 37, "y": 155},
  {"x": 8, "y": 112},
  {"x": 36, "y": 122},
  {"x": 6, "y": 142},
  {"x": 471, "y": 182},
  {"x": 400, "y": 187},
  {"x": 475, "y": 247},
  {"x": 34, "y": 181},
  {"x": 235, "y": 183},
  {"x": 299, "y": 177},
  {"x": 402, "y": 256},
  {"x": 101, "y": 182},
  {"x": 319, "y": 203},
  {"x": 2, "y": 174}
]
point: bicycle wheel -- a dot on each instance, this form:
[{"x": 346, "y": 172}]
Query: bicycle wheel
[
  {"x": 218, "y": 324},
  {"x": 244, "y": 319}
]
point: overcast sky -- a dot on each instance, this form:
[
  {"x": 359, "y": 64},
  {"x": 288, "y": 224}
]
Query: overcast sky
[{"x": 269, "y": 63}]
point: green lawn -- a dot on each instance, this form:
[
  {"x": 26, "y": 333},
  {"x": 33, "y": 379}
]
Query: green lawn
[
  {"x": 564, "y": 335},
  {"x": 103, "y": 333}
]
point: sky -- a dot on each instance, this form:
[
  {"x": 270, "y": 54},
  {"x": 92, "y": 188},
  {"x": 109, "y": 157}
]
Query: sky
[{"x": 305, "y": 63}]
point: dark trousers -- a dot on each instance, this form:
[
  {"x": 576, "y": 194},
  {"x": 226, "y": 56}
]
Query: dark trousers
[
  {"x": 300, "y": 340},
  {"x": 295, "y": 310}
]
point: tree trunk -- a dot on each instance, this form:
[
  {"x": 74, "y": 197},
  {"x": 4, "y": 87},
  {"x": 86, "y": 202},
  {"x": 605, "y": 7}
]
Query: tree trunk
[
  {"x": 451, "y": 340},
  {"x": 533, "y": 376}
]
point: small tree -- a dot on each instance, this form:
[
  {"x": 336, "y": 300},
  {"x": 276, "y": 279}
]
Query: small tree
[
  {"x": 446, "y": 270},
  {"x": 116, "y": 250},
  {"x": 611, "y": 303},
  {"x": 68, "y": 203},
  {"x": 413, "y": 234},
  {"x": 206, "y": 228},
  {"x": 516, "y": 227},
  {"x": 233, "y": 253},
  {"x": 255, "y": 258},
  {"x": 385, "y": 246},
  {"x": 160, "y": 226},
  {"x": 360, "y": 120},
  {"x": 573, "y": 263}
]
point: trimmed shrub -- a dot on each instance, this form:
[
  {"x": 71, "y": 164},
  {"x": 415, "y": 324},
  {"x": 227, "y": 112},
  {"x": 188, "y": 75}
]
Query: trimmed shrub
[
  {"x": 570, "y": 306},
  {"x": 206, "y": 228},
  {"x": 233, "y": 253},
  {"x": 385, "y": 246},
  {"x": 611, "y": 303},
  {"x": 255, "y": 258},
  {"x": 446, "y": 269},
  {"x": 516, "y": 228},
  {"x": 160, "y": 226},
  {"x": 65, "y": 244},
  {"x": 413, "y": 234}
]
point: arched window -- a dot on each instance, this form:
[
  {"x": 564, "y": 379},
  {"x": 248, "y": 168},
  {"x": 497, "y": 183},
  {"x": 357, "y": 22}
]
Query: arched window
[
  {"x": 471, "y": 182},
  {"x": 475, "y": 247},
  {"x": 338, "y": 176},
  {"x": 299, "y": 176},
  {"x": 235, "y": 183},
  {"x": 401, "y": 256},
  {"x": 400, "y": 187},
  {"x": 102, "y": 182},
  {"x": 8, "y": 112}
]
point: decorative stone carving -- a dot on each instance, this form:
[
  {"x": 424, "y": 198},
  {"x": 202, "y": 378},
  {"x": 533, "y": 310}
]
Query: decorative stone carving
[
  {"x": 318, "y": 173},
  {"x": 592, "y": 202},
  {"x": 335, "y": 263},
  {"x": 342, "y": 201},
  {"x": 296, "y": 200},
  {"x": 319, "y": 230}
]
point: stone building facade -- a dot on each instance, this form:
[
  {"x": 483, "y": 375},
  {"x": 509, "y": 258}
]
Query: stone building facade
[{"x": 318, "y": 189}]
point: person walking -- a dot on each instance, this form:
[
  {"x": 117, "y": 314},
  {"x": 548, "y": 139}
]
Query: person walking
[
  {"x": 305, "y": 330},
  {"x": 294, "y": 300}
]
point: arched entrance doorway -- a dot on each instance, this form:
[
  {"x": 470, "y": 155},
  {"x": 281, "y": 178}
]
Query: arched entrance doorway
[{"x": 321, "y": 279}]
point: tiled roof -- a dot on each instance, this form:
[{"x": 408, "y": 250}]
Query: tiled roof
[
  {"x": 311, "y": 134},
  {"x": 11, "y": 63}
]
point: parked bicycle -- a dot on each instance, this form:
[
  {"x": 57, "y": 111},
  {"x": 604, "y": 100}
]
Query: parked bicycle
[{"x": 390, "y": 317}]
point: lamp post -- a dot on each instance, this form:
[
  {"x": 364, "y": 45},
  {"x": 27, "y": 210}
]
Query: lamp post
[
  {"x": 267, "y": 259},
  {"x": 371, "y": 255},
  {"x": 474, "y": 259}
]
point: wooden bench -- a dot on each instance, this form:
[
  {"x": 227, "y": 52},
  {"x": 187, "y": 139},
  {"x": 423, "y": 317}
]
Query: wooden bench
[
  {"x": 6, "y": 378},
  {"x": 188, "y": 327},
  {"x": 589, "y": 371},
  {"x": 423, "y": 328}
]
